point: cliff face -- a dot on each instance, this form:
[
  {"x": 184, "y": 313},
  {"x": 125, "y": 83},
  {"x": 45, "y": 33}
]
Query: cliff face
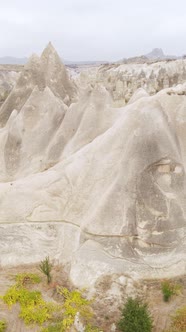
[{"x": 98, "y": 186}]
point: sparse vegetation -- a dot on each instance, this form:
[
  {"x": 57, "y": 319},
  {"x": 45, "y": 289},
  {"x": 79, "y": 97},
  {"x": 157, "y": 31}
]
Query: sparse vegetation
[
  {"x": 90, "y": 328},
  {"x": 73, "y": 303},
  {"x": 68, "y": 305},
  {"x": 38, "y": 313},
  {"x": 3, "y": 325},
  {"x": 33, "y": 309},
  {"x": 46, "y": 267},
  {"x": 169, "y": 289},
  {"x": 51, "y": 316},
  {"x": 135, "y": 317},
  {"x": 179, "y": 321},
  {"x": 27, "y": 278}
]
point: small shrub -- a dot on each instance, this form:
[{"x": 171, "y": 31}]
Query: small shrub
[
  {"x": 3, "y": 325},
  {"x": 55, "y": 327},
  {"x": 179, "y": 321},
  {"x": 169, "y": 289},
  {"x": 33, "y": 309},
  {"x": 35, "y": 313},
  {"x": 22, "y": 295},
  {"x": 11, "y": 296},
  {"x": 135, "y": 317},
  {"x": 24, "y": 279},
  {"x": 46, "y": 267},
  {"x": 90, "y": 328},
  {"x": 53, "y": 317},
  {"x": 73, "y": 303}
]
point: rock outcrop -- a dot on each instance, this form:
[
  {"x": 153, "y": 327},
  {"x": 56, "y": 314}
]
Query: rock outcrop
[
  {"x": 98, "y": 186},
  {"x": 46, "y": 71},
  {"x": 124, "y": 79},
  {"x": 8, "y": 77}
]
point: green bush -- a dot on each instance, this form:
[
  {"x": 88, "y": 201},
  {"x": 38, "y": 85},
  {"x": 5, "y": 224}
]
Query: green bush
[
  {"x": 46, "y": 267},
  {"x": 135, "y": 317},
  {"x": 169, "y": 289},
  {"x": 3, "y": 325}
]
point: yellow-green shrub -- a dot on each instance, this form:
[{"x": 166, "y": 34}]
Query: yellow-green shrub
[
  {"x": 33, "y": 309},
  {"x": 3, "y": 325},
  {"x": 90, "y": 328},
  {"x": 55, "y": 318},
  {"x": 22, "y": 295},
  {"x": 23, "y": 279},
  {"x": 73, "y": 303},
  {"x": 35, "y": 313}
]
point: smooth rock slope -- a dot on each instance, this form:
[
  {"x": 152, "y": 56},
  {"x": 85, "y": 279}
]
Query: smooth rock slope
[{"x": 90, "y": 184}]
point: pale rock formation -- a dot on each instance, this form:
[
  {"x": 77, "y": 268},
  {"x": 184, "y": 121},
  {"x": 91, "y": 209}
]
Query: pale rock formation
[
  {"x": 98, "y": 186},
  {"x": 8, "y": 77},
  {"x": 41, "y": 72},
  {"x": 122, "y": 80}
]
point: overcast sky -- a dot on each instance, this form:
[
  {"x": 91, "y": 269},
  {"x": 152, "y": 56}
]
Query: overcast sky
[{"x": 92, "y": 29}]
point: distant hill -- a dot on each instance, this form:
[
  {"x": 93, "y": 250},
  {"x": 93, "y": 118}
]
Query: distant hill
[{"x": 156, "y": 53}]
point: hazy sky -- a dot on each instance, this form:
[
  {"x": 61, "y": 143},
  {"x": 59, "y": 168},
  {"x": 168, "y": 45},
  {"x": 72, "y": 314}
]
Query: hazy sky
[{"x": 92, "y": 29}]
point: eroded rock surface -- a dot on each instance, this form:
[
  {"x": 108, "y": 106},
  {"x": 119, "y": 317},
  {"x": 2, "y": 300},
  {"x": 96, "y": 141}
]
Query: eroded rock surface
[
  {"x": 122, "y": 80},
  {"x": 98, "y": 186},
  {"x": 9, "y": 74}
]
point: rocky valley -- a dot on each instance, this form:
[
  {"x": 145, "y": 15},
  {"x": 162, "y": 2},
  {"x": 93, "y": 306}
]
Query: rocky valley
[{"x": 92, "y": 175}]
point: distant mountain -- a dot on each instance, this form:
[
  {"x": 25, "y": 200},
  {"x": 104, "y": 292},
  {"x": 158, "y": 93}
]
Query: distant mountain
[{"x": 156, "y": 53}]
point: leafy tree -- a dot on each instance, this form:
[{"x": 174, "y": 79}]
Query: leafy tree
[{"x": 135, "y": 317}]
